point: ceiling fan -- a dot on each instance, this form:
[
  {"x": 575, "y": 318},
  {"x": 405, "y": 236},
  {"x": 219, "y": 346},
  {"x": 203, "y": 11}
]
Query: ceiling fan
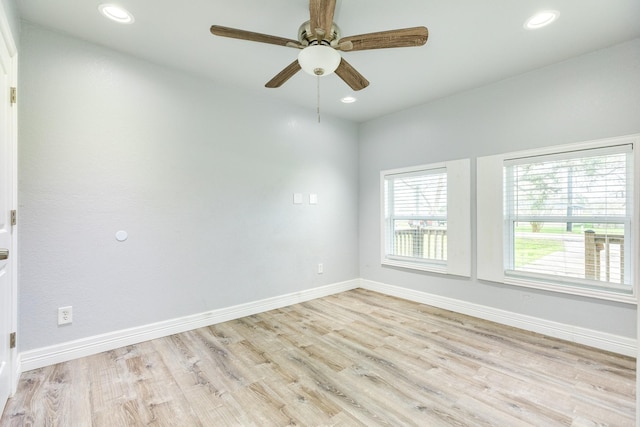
[{"x": 320, "y": 40}]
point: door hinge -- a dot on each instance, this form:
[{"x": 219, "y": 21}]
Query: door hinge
[
  {"x": 14, "y": 217},
  {"x": 12, "y": 340},
  {"x": 13, "y": 95}
]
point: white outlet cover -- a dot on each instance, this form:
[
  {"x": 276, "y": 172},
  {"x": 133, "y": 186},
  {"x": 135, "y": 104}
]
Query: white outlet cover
[{"x": 65, "y": 315}]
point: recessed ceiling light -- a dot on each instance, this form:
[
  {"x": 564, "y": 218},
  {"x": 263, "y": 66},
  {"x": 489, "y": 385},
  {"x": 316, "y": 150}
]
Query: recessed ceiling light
[
  {"x": 348, "y": 100},
  {"x": 541, "y": 19},
  {"x": 116, "y": 13}
]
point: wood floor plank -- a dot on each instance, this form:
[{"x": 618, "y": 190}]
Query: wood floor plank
[
  {"x": 200, "y": 383},
  {"x": 357, "y": 358}
]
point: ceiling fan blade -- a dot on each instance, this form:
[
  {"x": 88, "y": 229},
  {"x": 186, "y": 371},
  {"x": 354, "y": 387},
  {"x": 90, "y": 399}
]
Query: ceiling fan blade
[
  {"x": 284, "y": 75},
  {"x": 354, "y": 79},
  {"x": 405, "y": 37},
  {"x": 321, "y": 17},
  {"x": 218, "y": 30}
]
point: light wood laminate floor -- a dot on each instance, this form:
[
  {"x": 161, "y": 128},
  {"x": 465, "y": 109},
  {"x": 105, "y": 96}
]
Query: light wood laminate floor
[{"x": 358, "y": 358}]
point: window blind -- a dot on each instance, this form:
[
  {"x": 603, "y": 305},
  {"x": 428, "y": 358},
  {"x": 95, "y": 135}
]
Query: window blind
[
  {"x": 568, "y": 216},
  {"x": 416, "y": 206}
]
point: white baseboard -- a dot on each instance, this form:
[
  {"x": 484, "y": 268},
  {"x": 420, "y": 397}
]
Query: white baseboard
[
  {"x": 604, "y": 341},
  {"x": 58, "y": 353},
  {"x": 51, "y": 355}
]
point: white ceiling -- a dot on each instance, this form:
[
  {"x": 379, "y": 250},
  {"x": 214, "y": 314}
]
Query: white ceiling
[{"x": 471, "y": 42}]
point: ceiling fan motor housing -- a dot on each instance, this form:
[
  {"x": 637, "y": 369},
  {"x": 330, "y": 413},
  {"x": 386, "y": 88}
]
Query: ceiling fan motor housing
[{"x": 308, "y": 37}]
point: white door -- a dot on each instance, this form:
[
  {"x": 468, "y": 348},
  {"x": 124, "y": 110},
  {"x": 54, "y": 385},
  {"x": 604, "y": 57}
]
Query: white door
[
  {"x": 6, "y": 306},
  {"x": 7, "y": 203}
]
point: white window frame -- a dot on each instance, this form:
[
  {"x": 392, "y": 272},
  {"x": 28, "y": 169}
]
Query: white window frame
[
  {"x": 458, "y": 260},
  {"x": 491, "y": 241}
]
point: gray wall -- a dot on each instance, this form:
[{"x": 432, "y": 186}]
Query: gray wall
[
  {"x": 589, "y": 97},
  {"x": 199, "y": 175},
  {"x": 202, "y": 178}
]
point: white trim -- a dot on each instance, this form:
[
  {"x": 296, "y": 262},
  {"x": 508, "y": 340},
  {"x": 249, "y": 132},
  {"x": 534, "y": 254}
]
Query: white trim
[
  {"x": 568, "y": 148},
  {"x": 458, "y": 218},
  {"x": 46, "y": 356},
  {"x": 601, "y": 340},
  {"x": 489, "y": 213},
  {"x": 571, "y": 289},
  {"x": 58, "y": 353},
  {"x": 11, "y": 68},
  {"x": 491, "y": 242},
  {"x": 17, "y": 370},
  {"x": 431, "y": 267},
  {"x": 417, "y": 170},
  {"x": 5, "y": 30}
]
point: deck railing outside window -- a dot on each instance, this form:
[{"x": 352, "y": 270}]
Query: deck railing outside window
[
  {"x": 594, "y": 246},
  {"x": 427, "y": 243}
]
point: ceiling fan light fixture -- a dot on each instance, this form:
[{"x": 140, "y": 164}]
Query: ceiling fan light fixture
[
  {"x": 319, "y": 60},
  {"x": 541, "y": 19},
  {"x": 116, "y": 13}
]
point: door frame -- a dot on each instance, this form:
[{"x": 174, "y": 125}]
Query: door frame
[{"x": 11, "y": 133}]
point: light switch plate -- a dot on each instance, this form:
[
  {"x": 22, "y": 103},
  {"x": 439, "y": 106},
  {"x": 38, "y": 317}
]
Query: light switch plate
[
  {"x": 313, "y": 199},
  {"x": 297, "y": 198}
]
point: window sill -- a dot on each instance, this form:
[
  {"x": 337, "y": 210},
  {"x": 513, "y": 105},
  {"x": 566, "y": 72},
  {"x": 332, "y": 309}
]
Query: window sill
[
  {"x": 433, "y": 268},
  {"x": 572, "y": 290}
]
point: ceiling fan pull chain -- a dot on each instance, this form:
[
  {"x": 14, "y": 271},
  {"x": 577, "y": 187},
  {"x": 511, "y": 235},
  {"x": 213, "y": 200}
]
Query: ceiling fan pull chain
[{"x": 318, "y": 87}]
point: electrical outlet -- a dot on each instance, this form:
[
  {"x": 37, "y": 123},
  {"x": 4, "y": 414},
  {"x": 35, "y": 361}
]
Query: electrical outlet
[
  {"x": 320, "y": 269},
  {"x": 65, "y": 315}
]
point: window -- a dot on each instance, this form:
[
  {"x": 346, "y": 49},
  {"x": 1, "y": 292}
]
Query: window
[
  {"x": 568, "y": 217},
  {"x": 416, "y": 216},
  {"x": 419, "y": 230}
]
